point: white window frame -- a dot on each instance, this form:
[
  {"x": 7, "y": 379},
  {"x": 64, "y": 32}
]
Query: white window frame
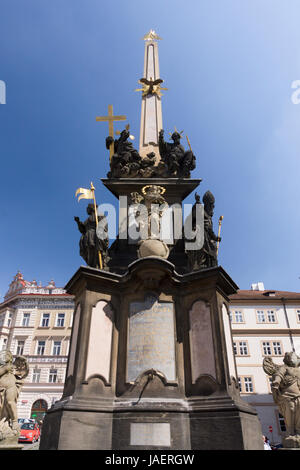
[
  {"x": 266, "y": 346},
  {"x": 240, "y": 348},
  {"x": 36, "y": 374},
  {"x": 246, "y": 382},
  {"x": 271, "y": 314},
  {"x": 236, "y": 315},
  {"x": 20, "y": 347},
  {"x": 58, "y": 320},
  {"x": 272, "y": 347},
  {"x": 9, "y": 319},
  {"x": 43, "y": 347},
  {"x": 45, "y": 317},
  {"x": 26, "y": 319},
  {"x": 261, "y": 316},
  {"x": 275, "y": 346},
  {"x": 53, "y": 373},
  {"x": 55, "y": 346}
]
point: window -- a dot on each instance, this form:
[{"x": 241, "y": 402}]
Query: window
[
  {"x": 261, "y": 316},
  {"x": 60, "y": 320},
  {"x": 9, "y": 319},
  {"x": 36, "y": 375},
  {"x": 240, "y": 348},
  {"x": 243, "y": 348},
  {"x": 56, "y": 348},
  {"x": 268, "y": 316},
  {"x": 298, "y": 315},
  {"x": 267, "y": 351},
  {"x": 41, "y": 348},
  {"x": 246, "y": 384},
  {"x": 271, "y": 316},
  {"x": 20, "y": 347},
  {"x": 25, "y": 319},
  {"x": 53, "y": 376},
  {"x": 281, "y": 423},
  {"x": 237, "y": 316},
  {"x": 45, "y": 319},
  {"x": 272, "y": 348},
  {"x": 277, "y": 348},
  {"x": 270, "y": 380}
]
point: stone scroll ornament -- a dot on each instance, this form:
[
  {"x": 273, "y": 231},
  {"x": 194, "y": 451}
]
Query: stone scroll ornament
[
  {"x": 12, "y": 375},
  {"x": 286, "y": 394}
]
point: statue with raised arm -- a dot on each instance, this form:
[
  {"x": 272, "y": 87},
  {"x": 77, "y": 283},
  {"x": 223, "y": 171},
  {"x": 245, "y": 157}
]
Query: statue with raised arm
[
  {"x": 12, "y": 375},
  {"x": 125, "y": 162},
  {"x": 286, "y": 394},
  {"x": 178, "y": 162},
  {"x": 91, "y": 243}
]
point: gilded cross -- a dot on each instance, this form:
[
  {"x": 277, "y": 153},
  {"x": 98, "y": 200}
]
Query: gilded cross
[{"x": 111, "y": 118}]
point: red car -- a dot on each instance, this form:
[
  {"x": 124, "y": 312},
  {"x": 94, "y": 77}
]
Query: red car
[{"x": 30, "y": 432}]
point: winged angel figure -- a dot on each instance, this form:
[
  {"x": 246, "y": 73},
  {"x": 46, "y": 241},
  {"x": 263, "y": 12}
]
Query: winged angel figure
[
  {"x": 286, "y": 393},
  {"x": 151, "y": 87},
  {"x": 12, "y": 375}
]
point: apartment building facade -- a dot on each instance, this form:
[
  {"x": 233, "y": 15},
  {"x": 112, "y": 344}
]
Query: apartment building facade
[
  {"x": 36, "y": 322},
  {"x": 264, "y": 323}
]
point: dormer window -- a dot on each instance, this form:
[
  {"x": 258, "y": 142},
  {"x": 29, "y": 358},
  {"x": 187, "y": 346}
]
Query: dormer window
[{"x": 270, "y": 293}]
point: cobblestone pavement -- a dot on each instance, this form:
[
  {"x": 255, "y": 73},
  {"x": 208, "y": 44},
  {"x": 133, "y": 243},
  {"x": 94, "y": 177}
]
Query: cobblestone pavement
[{"x": 34, "y": 446}]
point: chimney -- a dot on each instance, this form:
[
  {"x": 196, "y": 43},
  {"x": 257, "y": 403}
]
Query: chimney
[{"x": 258, "y": 286}]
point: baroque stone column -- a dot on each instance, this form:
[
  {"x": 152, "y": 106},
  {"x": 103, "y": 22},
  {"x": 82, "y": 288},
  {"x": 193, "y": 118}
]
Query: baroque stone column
[{"x": 151, "y": 365}]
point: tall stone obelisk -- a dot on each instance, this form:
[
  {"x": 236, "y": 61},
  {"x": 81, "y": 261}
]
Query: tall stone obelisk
[{"x": 151, "y": 112}]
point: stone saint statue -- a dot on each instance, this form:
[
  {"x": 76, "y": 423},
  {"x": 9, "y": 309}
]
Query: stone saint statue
[
  {"x": 149, "y": 222},
  {"x": 286, "y": 394},
  {"x": 125, "y": 162},
  {"x": 90, "y": 244},
  {"x": 206, "y": 257},
  {"x": 178, "y": 162},
  {"x": 12, "y": 375}
]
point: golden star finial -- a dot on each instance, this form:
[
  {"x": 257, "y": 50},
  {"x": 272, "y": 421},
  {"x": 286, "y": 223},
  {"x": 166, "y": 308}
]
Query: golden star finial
[{"x": 151, "y": 35}]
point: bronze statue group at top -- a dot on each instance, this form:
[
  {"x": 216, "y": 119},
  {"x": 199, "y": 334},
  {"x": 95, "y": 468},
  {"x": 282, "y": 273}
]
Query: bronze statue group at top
[{"x": 126, "y": 162}]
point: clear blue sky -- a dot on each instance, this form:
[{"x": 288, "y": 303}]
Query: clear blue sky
[{"x": 228, "y": 65}]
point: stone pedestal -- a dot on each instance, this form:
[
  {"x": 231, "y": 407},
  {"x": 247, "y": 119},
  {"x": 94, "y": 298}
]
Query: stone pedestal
[{"x": 151, "y": 364}]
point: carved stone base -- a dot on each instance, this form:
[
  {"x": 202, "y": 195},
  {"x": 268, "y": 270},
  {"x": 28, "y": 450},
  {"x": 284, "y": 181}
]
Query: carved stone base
[
  {"x": 10, "y": 443},
  {"x": 291, "y": 442},
  {"x": 151, "y": 364}
]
